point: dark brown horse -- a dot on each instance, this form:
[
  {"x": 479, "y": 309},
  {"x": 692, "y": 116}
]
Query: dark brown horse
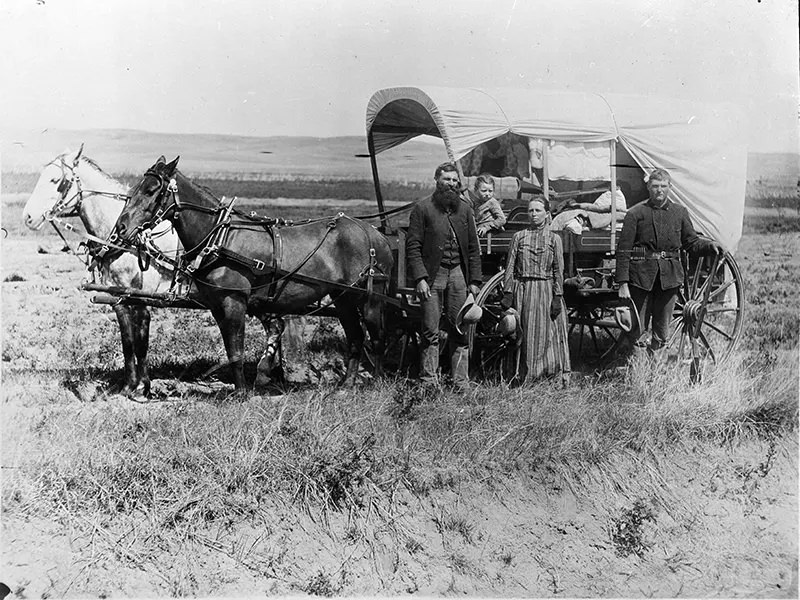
[{"x": 249, "y": 265}]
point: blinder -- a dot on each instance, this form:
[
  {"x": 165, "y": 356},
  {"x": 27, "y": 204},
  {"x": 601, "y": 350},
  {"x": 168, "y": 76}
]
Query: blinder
[
  {"x": 161, "y": 212},
  {"x": 65, "y": 186},
  {"x": 69, "y": 177}
]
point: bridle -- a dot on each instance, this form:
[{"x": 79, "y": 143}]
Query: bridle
[
  {"x": 165, "y": 188},
  {"x": 67, "y": 206},
  {"x": 140, "y": 236},
  {"x": 163, "y": 208},
  {"x": 70, "y": 206}
]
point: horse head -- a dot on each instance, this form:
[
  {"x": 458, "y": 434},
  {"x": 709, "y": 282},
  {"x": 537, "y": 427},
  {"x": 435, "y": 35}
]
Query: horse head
[
  {"x": 151, "y": 200},
  {"x": 57, "y": 191}
]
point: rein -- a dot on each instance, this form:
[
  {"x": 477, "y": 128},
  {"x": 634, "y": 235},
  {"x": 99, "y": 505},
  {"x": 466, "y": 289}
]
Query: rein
[{"x": 86, "y": 236}]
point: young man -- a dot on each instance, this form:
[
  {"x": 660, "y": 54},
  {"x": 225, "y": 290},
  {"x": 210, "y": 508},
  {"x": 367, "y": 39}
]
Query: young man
[
  {"x": 444, "y": 261},
  {"x": 649, "y": 268}
]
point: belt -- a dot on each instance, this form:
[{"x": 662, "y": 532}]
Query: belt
[
  {"x": 449, "y": 265},
  {"x": 639, "y": 255}
]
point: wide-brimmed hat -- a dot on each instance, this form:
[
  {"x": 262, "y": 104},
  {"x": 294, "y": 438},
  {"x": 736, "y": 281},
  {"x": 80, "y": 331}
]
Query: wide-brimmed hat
[
  {"x": 509, "y": 323},
  {"x": 626, "y": 316},
  {"x": 468, "y": 314}
]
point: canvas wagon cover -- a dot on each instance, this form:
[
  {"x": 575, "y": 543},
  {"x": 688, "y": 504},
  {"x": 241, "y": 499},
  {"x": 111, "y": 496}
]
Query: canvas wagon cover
[{"x": 701, "y": 145}]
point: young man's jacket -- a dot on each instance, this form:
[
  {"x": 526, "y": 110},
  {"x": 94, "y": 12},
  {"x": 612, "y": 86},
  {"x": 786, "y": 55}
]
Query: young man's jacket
[
  {"x": 429, "y": 230},
  {"x": 650, "y": 242}
]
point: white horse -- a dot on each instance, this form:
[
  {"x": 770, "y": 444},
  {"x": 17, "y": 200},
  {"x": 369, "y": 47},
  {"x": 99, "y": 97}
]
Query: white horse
[{"x": 74, "y": 185}]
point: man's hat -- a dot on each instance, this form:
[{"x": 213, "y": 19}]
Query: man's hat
[
  {"x": 468, "y": 314},
  {"x": 626, "y": 316},
  {"x": 509, "y": 323}
]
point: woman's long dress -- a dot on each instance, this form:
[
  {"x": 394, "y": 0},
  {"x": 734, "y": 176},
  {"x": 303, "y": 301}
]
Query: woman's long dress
[{"x": 535, "y": 273}]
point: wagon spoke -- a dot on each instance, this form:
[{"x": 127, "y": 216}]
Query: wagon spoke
[
  {"x": 696, "y": 278},
  {"x": 710, "y": 325},
  {"x": 594, "y": 338},
  {"x": 720, "y": 289},
  {"x": 703, "y": 339},
  {"x": 609, "y": 332},
  {"x": 682, "y": 332}
]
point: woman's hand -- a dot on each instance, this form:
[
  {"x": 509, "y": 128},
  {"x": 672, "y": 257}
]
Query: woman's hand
[
  {"x": 624, "y": 292},
  {"x": 555, "y": 307}
]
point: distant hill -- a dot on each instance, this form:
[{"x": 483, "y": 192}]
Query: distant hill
[
  {"x": 131, "y": 151},
  {"x": 778, "y": 168}
]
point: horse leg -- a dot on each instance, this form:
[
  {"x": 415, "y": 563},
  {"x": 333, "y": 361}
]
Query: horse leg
[
  {"x": 141, "y": 333},
  {"x": 126, "y": 330},
  {"x": 347, "y": 311},
  {"x": 230, "y": 317},
  {"x": 270, "y": 360},
  {"x": 374, "y": 313}
]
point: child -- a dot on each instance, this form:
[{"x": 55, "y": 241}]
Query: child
[{"x": 489, "y": 214}]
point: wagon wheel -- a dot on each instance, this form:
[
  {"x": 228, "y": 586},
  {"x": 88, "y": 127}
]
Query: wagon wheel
[
  {"x": 592, "y": 330},
  {"x": 401, "y": 343},
  {"x": 709, "y": 314},
  {"x": 493, "y": 356}
]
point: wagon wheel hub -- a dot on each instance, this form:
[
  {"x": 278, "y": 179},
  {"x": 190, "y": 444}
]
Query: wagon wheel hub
[{"x": 692, "y": 311}]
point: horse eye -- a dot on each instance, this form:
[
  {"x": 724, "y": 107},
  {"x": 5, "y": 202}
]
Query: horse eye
[{"x": 55, "y": 180}]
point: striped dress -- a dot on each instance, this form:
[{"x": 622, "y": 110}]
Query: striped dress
[{"x": 535, "y": 273}]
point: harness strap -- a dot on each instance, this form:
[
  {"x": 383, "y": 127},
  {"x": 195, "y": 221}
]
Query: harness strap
[
  {"x": 255, "y": 265},
  {"x": 89, "y": 236},
  {"x": 61, "y": 235},
  {"x": 386, "y": 213},
  {"x": 286, "y": 279},
  {"x": 277, "y": 259}
]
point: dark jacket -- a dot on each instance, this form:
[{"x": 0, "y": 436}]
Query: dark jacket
[
  {"x": 647, "y": 230},
  {"x": 429, "y": 229}
]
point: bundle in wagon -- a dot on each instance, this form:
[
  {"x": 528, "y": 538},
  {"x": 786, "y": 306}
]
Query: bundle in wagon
[{"x": 567, "y": 147}]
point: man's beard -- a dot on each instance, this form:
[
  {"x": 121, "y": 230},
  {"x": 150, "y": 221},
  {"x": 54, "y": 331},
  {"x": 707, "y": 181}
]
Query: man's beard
[{"x": 446, "y": 200}]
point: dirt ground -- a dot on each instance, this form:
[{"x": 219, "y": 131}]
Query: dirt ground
[{"x": 709, "y": 522}]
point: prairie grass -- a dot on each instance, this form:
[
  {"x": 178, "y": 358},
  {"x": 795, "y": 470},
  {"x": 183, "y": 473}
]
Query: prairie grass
[{"x": 327, "y": 449}]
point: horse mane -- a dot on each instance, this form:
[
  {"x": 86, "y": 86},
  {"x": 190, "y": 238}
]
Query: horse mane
[
  {"x": 93, "y": 163},
  {"x": 203, "y": 188},
  {"x": 89, "y": 160}
]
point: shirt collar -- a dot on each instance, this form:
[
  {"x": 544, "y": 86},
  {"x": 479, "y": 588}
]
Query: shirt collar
[{"x": 665, "y": 206}]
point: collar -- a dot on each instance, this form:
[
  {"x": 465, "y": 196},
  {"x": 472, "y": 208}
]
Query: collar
[{"x": 664, "y": 206}]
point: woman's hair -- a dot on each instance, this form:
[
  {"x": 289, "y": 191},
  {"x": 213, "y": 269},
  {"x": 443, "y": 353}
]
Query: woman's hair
[
  {"x": 483, "y": 178},
  {"x": 542, "y": 200}
]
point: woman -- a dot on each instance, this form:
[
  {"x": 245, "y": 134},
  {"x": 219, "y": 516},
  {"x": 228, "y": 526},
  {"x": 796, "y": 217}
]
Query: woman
[{"x": 534, "y": 284}]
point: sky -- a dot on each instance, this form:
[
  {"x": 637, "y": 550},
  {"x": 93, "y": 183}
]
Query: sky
[{"x": 309, "y": 67}]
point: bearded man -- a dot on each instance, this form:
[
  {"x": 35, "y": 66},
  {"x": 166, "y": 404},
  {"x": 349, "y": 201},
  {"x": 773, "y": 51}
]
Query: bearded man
[{"x": 444, "y": 260}]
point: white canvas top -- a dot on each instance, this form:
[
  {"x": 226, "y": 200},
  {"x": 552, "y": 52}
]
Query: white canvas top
[{"x": 701, "y": 145}]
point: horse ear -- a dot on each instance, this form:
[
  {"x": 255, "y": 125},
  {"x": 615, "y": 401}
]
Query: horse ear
[
  {"x": 78, "y": 156},
  {"x": 162, "y": 160},
  {"x": 170, "y": 168}
]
